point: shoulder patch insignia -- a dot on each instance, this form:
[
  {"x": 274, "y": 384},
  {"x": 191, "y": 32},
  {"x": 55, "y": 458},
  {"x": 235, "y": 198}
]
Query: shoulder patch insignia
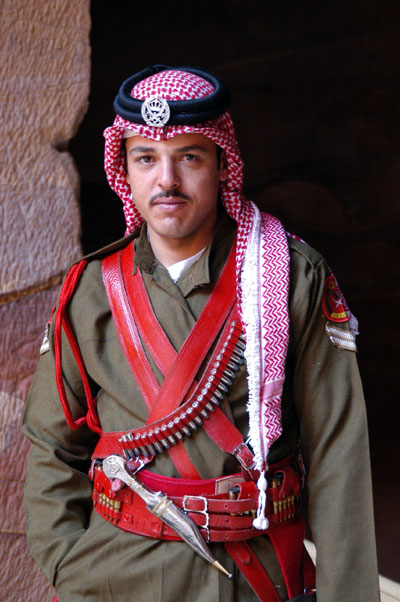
[
  {"x": 343, "y": 339},
  {"x": 333, "y": 303}
]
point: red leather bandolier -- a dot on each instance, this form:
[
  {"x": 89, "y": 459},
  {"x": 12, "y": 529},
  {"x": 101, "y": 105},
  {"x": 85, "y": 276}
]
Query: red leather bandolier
[{"x": 222, "y": 508}]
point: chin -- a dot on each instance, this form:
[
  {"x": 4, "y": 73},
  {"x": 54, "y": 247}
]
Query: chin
[{"x": 172, "y": 231}]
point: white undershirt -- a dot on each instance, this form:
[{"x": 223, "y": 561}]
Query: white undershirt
[{"x": 176, "y": 269}]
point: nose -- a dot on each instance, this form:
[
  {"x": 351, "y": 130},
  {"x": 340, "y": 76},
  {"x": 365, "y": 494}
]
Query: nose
[{"x": 168, "y": 177}]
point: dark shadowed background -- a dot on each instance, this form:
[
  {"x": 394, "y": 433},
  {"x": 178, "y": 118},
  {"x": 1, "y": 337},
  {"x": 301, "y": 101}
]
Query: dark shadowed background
[{"x": 315, "y": 88}]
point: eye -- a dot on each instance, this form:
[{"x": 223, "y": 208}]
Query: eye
[
  {"x": 190, "y": 157},
  {"x": 145, "y": 159}
]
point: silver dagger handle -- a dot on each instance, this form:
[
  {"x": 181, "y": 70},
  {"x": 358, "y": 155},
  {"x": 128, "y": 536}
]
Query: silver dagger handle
[{"x": 114, "y": 468}]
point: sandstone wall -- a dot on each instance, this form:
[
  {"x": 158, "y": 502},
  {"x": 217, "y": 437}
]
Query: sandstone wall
[{"x": 44, "y": 84}]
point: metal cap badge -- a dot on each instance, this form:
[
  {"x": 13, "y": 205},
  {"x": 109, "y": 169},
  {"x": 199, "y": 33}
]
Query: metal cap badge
[{"x": 155, "y": 111}]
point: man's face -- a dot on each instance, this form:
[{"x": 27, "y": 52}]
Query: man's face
[{"x": 174, "y": 184}]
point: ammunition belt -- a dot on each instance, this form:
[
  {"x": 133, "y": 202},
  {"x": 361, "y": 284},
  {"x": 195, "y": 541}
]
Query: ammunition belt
[
  {"x": 208, "y": 393},
  {"x": 223, "y": 509}
]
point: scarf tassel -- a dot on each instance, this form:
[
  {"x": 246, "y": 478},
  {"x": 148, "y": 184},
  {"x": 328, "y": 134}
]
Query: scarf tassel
[{"x": 261, "y": 522}]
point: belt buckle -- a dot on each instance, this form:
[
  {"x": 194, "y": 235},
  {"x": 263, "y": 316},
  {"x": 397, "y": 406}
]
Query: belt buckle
[{"x": 204, "y": 511}]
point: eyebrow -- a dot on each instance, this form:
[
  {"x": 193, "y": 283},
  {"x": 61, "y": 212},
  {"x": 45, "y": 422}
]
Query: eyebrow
[
  {"x": 142, "y": 149},
  {"x": 182, "y": 149},
  {"x": 186, "y": 149}
]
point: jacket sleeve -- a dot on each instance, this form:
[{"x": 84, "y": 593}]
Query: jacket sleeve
[
  {"x": 57, "y": 486},
  {"x": 334, "y": 441}
]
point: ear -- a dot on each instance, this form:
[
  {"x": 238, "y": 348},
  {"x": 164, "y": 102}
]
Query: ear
[{"x": 223, "y": 168}]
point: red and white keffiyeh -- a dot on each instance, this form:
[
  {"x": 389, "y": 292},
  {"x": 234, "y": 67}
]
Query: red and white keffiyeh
[{"x": 262, "y": 257}]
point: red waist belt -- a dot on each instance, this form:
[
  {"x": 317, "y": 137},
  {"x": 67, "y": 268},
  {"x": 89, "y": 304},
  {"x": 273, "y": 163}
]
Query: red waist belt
[{"x": 223, "y": 508}]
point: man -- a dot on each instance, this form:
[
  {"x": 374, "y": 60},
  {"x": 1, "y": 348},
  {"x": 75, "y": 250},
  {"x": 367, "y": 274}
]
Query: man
[{"x": 146, "y": 349}]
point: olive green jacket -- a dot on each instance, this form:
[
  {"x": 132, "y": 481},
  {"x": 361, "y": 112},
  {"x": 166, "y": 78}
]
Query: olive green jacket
[{"x": 87, "y": 558}]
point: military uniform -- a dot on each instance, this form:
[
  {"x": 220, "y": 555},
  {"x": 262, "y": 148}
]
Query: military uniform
[{"x": 89, "y": 559}]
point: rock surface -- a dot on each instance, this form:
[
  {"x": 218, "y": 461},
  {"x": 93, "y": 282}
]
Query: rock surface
[{"x": 44, "y": 85}]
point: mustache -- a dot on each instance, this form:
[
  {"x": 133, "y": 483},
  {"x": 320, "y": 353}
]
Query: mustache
[{"x": 170, "y": 194}]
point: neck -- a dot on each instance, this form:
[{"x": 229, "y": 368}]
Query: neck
[{"x": 171, "y": 250}]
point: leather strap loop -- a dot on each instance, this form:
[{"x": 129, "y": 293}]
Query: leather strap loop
[
  {"x": 151, "y": 332},
  {"x": 126, "y": 328}
]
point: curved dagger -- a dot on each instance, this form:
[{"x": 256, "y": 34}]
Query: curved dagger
[{"x": 159, "y": 505}]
